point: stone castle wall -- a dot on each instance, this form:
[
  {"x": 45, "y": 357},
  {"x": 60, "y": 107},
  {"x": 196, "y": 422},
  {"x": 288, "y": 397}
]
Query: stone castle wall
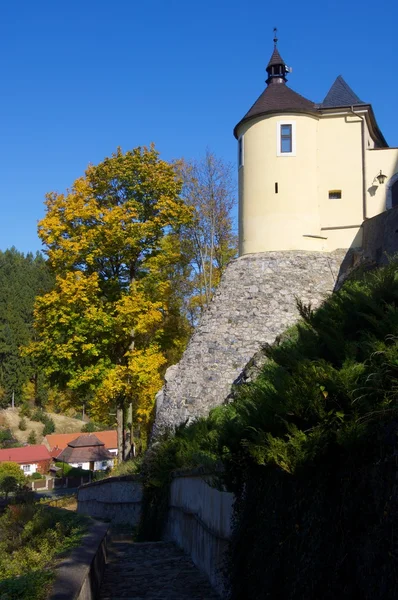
[{"x": 255, "y": 302}]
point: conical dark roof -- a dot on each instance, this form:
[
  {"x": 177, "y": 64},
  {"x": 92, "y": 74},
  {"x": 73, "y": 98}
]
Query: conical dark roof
[
  {"x": 340, "y": 94},
  {"x": 278, "y": 98},
  {"x": 275, "y": 59},
  {"x": 84, "y": 441}
]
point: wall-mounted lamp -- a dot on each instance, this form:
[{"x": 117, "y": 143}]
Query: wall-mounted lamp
[{"x": 381, "y": 178}]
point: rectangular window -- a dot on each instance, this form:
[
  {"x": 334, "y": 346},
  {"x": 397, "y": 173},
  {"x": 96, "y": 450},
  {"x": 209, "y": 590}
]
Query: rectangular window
[
  {"x": 26, "y": 468},
  {"x": 286, "y": 138},
  {"x": 334, "y": 194},
  {"x": 240, "y": 152}
]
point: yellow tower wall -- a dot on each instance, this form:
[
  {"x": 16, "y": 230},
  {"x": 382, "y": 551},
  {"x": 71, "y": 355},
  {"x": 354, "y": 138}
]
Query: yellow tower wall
[
  {"x": 339, "y": 158},
  {"x": 279, "y": 221}
]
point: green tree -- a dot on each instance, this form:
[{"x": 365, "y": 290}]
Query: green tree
[
  {"x": 101, "y": 331},
  {"x": 32, "y": 439},
  {"x": 11, "y": 478},
  {"x": 21, "y": 279}
]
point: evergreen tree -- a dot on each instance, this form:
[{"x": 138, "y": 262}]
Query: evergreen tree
[{"x": 22, "y": 278}]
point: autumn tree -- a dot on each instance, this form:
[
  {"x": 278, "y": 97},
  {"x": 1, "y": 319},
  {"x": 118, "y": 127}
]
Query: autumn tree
[
  {"x": 102, "y": 331},
  {"x": 209, "y": 239}
]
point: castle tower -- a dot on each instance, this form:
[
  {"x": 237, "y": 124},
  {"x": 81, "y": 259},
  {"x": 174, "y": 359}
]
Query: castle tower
[
  {"x": 307, "y": 172},
  {"x": 277, "y": 143}
]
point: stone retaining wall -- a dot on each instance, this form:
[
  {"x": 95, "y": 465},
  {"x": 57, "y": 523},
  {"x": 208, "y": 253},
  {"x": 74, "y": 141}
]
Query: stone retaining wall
[
  {"x": 117, "y": 499},
  {"x": 254, "y": 304}
]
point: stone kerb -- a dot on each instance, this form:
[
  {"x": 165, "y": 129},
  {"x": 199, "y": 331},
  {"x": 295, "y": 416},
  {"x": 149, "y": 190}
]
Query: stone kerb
[
  {"x": 117, "y": 499},
  {"x": 79, "y": 576}
]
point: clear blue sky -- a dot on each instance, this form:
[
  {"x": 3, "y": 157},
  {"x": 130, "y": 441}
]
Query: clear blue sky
[{"x": 79, "y": 78}]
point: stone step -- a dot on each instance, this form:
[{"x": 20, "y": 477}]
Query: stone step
[{"x": 152, "y": 571}]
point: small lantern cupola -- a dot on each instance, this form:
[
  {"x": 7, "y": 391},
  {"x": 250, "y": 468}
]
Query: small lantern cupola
[{"x": 276, "y": 67}]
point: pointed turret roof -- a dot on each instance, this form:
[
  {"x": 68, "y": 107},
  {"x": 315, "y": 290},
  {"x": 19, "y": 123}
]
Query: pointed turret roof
[
  {"x": 340, "y": 94},
  {"x": 277, "y": 97},
  {"x": 275, "y": 59}
]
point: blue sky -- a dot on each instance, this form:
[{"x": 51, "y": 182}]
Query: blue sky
[{"x": 81, "y": 77}]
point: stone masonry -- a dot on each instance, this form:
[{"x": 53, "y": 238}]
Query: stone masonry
[{"x": 255, "y": 303}]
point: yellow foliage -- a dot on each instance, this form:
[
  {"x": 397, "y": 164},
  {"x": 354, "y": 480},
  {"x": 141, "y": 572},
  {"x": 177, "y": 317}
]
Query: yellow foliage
[{"x": 111, "y": 241}]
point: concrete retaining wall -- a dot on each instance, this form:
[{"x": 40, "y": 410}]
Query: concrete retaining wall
[
  {"x": 199, "y": 521},
  {"x": 117, "y": 499}
]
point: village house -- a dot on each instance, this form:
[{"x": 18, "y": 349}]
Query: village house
[
  {"x": 57, "y": 442},
  {"x": 87, "y": 452},
  {"x": 32, "y": 459}
]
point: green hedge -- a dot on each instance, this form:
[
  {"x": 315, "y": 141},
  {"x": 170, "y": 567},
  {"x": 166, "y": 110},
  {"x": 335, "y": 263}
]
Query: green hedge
[{"x": 300, "y": 448}]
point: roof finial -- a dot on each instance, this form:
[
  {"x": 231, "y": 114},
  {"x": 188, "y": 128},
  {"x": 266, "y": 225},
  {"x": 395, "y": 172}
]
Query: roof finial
[{"x": 275, "y": 38}]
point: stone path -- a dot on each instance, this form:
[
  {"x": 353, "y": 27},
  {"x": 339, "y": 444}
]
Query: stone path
[{"x": 152, "y": 571}]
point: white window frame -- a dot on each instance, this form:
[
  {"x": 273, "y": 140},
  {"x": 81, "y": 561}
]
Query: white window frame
[
  {"x": 241, "y": 141},
  {"x": 26, "y": 468},
  {"x": 278, "y": 138}
]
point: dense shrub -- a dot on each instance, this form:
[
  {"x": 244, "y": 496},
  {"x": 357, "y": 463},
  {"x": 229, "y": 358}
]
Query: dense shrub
[
  {"x": 37, "y": 476},
  {"x": 32, "y": 438},
  {"x": 31, "y": 536},
  {"x": 22, "y": 424},
  {"x": 38, "y": 415},
  {"x": 69, "y": 471},
  {"x": 25, "y": 410},
  {"x": 89, "y": 427},
  {"x": 49, "y": 425},
  {"x": 12, "y": 478},
  {"x": 6, "y": 438},
  {"x": 300, "y": 447}
]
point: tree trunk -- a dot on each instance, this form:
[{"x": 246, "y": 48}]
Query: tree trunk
[
  {"x": 130, "y": 446},
  {"x": 120, "y": 433}
]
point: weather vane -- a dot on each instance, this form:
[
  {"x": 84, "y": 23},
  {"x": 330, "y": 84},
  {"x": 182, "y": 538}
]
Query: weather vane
[{"x": 275, "y": 38}]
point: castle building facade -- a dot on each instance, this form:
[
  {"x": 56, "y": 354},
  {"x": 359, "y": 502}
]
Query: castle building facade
[
  {"x": 310, "y": 174},
  {"x": 315, "y": 181}
]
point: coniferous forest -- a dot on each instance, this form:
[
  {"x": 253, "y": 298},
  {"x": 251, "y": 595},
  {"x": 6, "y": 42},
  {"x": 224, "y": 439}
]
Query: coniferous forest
[{"x": 22, "y": 278}]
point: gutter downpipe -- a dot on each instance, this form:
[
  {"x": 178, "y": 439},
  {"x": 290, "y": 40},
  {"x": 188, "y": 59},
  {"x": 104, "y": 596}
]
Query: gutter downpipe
[{"x": 364, "y": 216}]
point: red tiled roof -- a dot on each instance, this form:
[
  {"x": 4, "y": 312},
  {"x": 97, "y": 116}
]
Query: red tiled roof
[
  {"x": 26, "y": 454},
  {"x": 61, "y": 440}
]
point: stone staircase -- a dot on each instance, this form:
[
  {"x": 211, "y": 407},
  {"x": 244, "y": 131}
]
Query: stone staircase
[{"x": 152, "y": 571}]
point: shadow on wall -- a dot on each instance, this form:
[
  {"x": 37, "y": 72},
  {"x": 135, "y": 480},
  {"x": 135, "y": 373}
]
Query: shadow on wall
[
  {"x": 380, "y": 236},
  {"x": 379, "y": 243}
]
